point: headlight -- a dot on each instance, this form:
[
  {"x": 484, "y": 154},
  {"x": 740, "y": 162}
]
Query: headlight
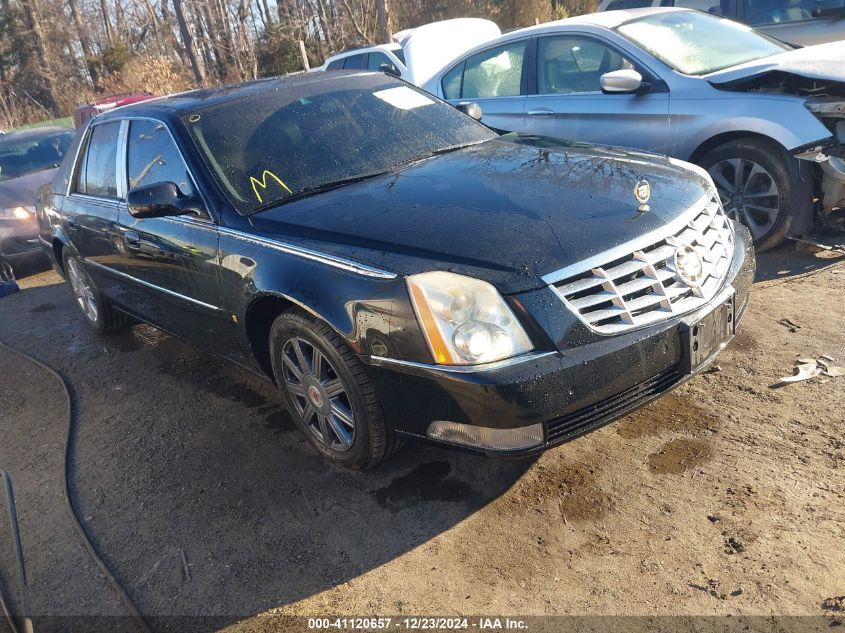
[
  {"x": 17, "y": 213},
  {"x": 465, "y": 321}
]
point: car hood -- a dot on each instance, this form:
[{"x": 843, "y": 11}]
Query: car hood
[
  {"x": 22, "y": 191},
  {"x": 823, "y": 62},
  {"x": 507, "y": 211}
]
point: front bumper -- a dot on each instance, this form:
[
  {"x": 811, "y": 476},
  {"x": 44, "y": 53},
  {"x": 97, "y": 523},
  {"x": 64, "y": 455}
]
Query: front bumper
[{"x": 569, "y": 392}]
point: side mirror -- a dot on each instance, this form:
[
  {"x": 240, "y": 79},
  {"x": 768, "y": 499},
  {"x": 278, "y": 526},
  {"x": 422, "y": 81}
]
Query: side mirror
[
  {"x": 158, "y": 200},
  {"x": 390, "y": 69},
  {"x": 470, "y": 109},
  {"x": 622, "y": 81}
]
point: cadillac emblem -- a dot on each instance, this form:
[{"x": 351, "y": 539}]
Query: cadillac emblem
[
  {"x": 689, "y": 266},
  {"x": 642, "y": 192}
]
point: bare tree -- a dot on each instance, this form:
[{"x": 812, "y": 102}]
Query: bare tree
[
  {"x": 188, "y": 42},
  {"x": 384, "y": 27}
]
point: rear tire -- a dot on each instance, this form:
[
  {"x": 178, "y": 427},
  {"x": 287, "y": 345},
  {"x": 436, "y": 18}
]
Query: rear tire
[
  {"x": 754, "y": 178},
  {"x": 96, "y": 309},
  {"x": 328, "y": 393}
]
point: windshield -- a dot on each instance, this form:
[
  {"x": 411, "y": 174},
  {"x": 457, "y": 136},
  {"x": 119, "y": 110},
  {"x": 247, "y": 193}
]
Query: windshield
[
  {"x": 29, "y": 152},
  {"x": 277, "y": 144},
  {"x": 696, "y": 43}
]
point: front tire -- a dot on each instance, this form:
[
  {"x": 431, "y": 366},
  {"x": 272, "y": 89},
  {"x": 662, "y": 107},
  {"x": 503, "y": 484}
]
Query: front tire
[
  {"x": 96, "y": 309},
  {"x": 328, "y": 393},
  {"x": 755, "y": 183}
]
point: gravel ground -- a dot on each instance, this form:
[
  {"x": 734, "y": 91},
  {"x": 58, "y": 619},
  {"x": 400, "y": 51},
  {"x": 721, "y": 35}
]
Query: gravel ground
[{"x": 724, "y": 497}]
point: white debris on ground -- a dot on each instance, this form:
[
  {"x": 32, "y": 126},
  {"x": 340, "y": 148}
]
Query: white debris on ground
[{"x": 808, "y": 368}]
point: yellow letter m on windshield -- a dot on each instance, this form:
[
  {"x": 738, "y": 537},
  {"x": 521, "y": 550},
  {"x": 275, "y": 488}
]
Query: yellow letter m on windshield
[{"x": 262, "y": 184}]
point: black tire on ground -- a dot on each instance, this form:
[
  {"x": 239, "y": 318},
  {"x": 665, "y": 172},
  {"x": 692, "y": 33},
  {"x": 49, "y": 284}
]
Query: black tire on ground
[
  {"x": 747, "y": 169},
  {"x": 371, "y": 439},
  {"x": 95, "y": 308}
]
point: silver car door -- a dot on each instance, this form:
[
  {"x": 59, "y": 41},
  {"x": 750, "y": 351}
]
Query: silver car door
[
  {"x": 494, "y": 79},
  {"x": 565, "y": 99}
]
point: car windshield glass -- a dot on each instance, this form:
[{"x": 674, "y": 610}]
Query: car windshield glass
[
  {"x": 29, "y": 153},
  {"x": 695, "y": 43},
  {"x": 285, "y": 142}
]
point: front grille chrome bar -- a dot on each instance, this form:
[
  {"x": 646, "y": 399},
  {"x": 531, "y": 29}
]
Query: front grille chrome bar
[{"x": 638, "y": 284}]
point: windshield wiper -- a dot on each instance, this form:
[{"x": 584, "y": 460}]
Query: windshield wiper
[{"x": 312, "y": 191}]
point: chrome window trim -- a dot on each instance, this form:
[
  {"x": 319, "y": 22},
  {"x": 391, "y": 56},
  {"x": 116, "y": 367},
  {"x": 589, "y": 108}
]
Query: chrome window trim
[
  {"x": 629, "y": 247},
  {"x": 153, "y": 286},
  {"x": 110, "y": 202},
  {"x": 191, "y": 221},
  {"x": 306, "y": 253},
  {"x": 120, "y": 168},
  {"x": 383, "y": 361}
]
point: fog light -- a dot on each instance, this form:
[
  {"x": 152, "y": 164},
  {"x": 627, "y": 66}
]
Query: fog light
[{"x": 486, "y": 438}]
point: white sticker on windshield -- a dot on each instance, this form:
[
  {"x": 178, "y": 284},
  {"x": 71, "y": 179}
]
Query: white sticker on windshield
[{"x": 403, "y": 98}]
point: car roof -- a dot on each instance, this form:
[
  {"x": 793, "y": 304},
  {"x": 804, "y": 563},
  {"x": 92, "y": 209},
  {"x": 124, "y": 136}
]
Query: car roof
[
  {"x": 393, "y": 46},
  {"x": 32, "y": 133},
  {"x": 605, "y": 19},
  {"x": 201, "y": 98}
]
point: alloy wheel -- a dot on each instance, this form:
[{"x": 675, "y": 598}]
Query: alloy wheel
[
  {"x": 318, "y": 393},
  {"x": 82, "y": 290},
  {"x": 748, "y": 192}
]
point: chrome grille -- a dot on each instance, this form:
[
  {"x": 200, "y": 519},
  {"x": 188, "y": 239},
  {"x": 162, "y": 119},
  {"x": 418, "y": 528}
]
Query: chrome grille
[{"x": 641, "y": 285}]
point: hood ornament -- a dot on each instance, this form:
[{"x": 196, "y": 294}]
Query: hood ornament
[{"x": 642, "y": 192}]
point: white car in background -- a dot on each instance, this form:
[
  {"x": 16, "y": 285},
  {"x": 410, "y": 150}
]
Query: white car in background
[{"x": 417, "y": 54}]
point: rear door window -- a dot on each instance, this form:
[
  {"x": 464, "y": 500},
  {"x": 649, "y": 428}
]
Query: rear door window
[
  {"x": 97, "y": 175},
  {"x": 356, "y": 62},
  {"x": 335, "y": 65},
  {"x": 496, "y": 72}
]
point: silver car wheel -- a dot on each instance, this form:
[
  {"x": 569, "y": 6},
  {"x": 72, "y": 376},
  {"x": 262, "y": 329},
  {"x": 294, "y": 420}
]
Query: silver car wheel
[
  {"x": 748, "y": 193},
  {"x": 318, "y": 393},
  {"x": 82, "y": 290}
]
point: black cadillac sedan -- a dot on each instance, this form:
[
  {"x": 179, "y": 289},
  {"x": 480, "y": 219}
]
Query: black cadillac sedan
[{"x": 399, "y": 270}]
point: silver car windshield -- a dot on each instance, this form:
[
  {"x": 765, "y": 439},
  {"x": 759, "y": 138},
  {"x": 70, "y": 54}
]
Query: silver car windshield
[{"x": 696, "y": 43}]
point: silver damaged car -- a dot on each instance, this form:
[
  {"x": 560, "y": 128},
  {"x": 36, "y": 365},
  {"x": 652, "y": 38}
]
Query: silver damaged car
[{"x": 765, "y": 119}]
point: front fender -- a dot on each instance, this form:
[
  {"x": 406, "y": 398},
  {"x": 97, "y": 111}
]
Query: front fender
[
  {"x": 370, "y": 313},
  {"x": 784, "y": 120}
]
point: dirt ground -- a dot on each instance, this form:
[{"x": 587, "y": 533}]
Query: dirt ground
[{"x": 724, "y": 497}]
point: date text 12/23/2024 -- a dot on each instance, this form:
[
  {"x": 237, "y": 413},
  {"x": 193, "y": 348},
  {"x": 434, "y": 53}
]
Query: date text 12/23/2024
[{"x": 417, "y": 623}]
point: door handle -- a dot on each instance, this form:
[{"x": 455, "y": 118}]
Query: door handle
[
  {"x": 70, "y": 220},
  {"x": 132, "y": 239},
  {"x": 540, "y": 112}
]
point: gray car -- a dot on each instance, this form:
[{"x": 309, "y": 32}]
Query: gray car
[
  {"x": 28, "y": 160},
  {"x": 800, "y": 22},
  {"x": 766, "y": 120}
]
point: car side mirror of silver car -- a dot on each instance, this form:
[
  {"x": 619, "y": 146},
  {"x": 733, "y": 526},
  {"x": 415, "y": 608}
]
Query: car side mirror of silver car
[
  {"x": 470, "y": 109},
  {"x": 623, "y": 81},
  {"x": 158, "y": 200}
]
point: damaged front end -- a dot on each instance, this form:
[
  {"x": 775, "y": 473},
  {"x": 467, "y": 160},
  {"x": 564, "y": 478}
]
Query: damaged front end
[
  {"x": 816, "y": 75},
  {"x": 830, "y": 157}
]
